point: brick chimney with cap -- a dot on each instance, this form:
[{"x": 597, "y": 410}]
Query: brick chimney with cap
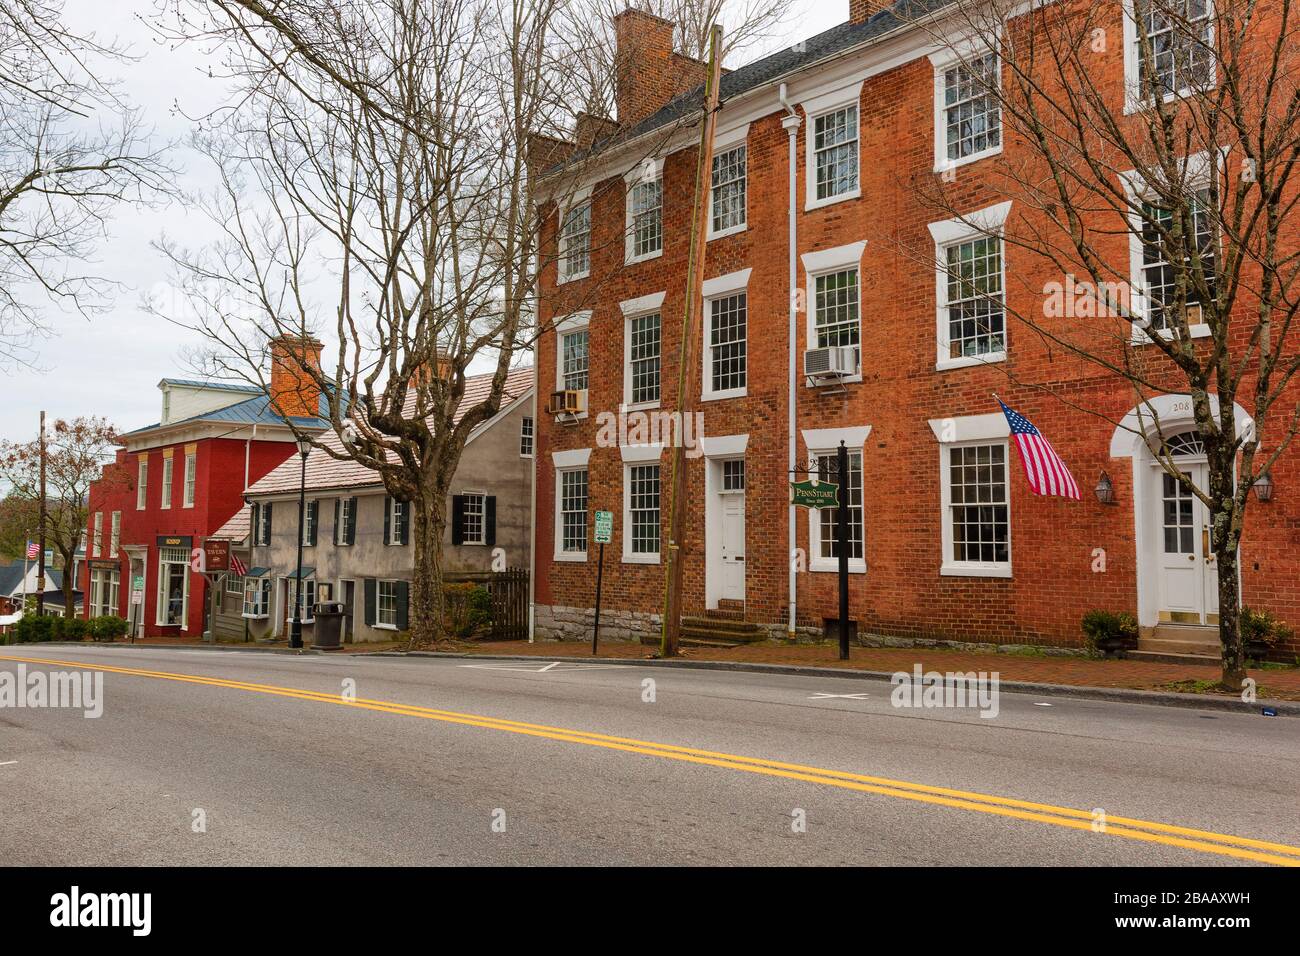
[
  {"x": 647, "y": 71},
  {"x": 294, "y": 392},
  {"x": 860, "y": 11}
]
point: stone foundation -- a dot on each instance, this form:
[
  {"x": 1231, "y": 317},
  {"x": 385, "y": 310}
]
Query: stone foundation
[{"x": 557, "y": 623}]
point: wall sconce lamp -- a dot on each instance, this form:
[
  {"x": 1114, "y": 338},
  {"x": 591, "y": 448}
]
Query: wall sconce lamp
[
  {"x": 1105, "y": 490},
  {"x": 1264, "y": 487}
]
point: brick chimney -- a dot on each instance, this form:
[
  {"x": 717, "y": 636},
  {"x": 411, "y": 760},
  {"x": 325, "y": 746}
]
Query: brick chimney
[
  {"x": 860, "y": 11},
  {"x": 591, "y": 128},
  {"x": 294, "y": 392},
  {"x": 647, "y": 73}
]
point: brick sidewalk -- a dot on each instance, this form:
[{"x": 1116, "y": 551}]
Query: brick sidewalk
[{"x": 1075, "y": 671}]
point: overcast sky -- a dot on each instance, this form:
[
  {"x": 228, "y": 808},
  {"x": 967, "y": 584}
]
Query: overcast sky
[{"x": 110, "y": 365}]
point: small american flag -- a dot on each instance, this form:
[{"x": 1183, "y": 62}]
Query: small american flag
[
  {"x": 33, "y": 550},
  {"x": 237, "y": 567},
  {"x": 1046, "y": 473}
]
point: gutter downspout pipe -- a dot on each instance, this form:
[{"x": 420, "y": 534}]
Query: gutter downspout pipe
[{"x": 791, "y": 123}]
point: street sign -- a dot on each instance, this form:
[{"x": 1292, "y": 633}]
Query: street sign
[
  {"x": 814, "y": 494},
  {"x": 604, "y": 527},
  {"x": 216, "y": 554}
]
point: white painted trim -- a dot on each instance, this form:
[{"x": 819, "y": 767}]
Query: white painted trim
[
  {"x": 642, "y": 305},
  {"x": 726, "y": 284},
  {"x": 1173, "y": 413},
  {"x": 717, "y": 288},
  {"x": 828, "y": 439},
  {"x": 826, "y": 262},
  {"x": 634, "y": 309},
  {"x": 971, "y": 569},
  {"x": 959, "y": 53},
  {"x": 817, "y": 103},
  {"x": 981, "y": 223},
  {"x": 579, "y": 197},
  {"x": 575, "y": 322},
  {"x": 733, "y": 140},
  {"x": 823, "y": 441},
  {"x": 724, "y": 446},
  {"x": 960, "y": 430},
  {"x": 650, "y": 169},
  {"x": 641, "y": 453},
  {"x": 734, "y": 136},
  {"x": 628, "y": 557},
  {"x": 834, "y": 259},
  {"x": 577, "y": 458},
  {"x": 1134, "y": 101}
]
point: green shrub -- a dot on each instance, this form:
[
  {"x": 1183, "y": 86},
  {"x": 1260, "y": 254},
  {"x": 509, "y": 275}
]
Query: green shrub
[
  {"x": 1105, "y": 626},
  {"x": 33, "y": 629},
  {"x": 1261, "y": 627},
  {"x": 108, "y": 627},
  {"x": 468, "y": 607},
  {"x": 70, "y": 628}
]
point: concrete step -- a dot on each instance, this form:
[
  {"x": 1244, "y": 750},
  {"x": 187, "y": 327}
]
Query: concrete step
[
  {"x": 1163, "y": 646},
  {"x": 1182, "y": 639},
  {"x": 1158, "y": 657},
  {"x": 721, "y": 624},
  {"x": 725, "y": 613}
]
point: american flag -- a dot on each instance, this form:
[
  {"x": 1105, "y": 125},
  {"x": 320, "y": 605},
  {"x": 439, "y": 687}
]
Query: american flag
[
  {"x": 33, "y": 550},
  {"x": 1046, "y": 473},
  {"x": 237, "y": 567}
]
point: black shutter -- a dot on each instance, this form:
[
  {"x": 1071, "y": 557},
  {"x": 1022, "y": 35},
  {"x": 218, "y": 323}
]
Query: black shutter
[
  {"x": 266, "y": 520},
  {"x": 338, "y": 531},
  {"x": 314, "y": 523},
  {"x": 404, "y": 527},
  {"x": 352, "y": 521},
  {"x": 256, "y": 525},
  {"x": 403, "y": 605},
  {"x": 388, "y": 519},
  {"x": 490, "y": 520},
  {"x": 457, "y": 519},
  {"x": 369, "y": 588}
]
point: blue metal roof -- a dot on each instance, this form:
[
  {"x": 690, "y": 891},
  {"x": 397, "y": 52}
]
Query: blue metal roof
[
  {"x": 253, "y": 411},
  {"x": 221, "y": 386}
]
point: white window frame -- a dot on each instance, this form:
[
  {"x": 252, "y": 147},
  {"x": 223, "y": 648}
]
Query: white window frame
[
  {"x": 633, "y": 309},
  {"x": 984, "y": 223},
  {"x": 291, "y": 598},
  {"x": 829, "y": 262},
  {"x": 142, "y": 483},
  {"x": 261, "y": 609},
  {"x": 481, "y": 497},
  {"x": 234, "y": 584},
  {"x": 722, "y": 287},
  {"x": 97, "y": 534},
  {"x": 725, "y": 143},
  {"x": 1201, "y": 173},
  {"x": 396, "y": 509},
  {"x": 637, "y": 456},
  {"x": 168, "y": 475},
  {"x": 569, "y": 461},
  {"x": 1135, "y": 100},
  {"x": 163, "y": 598},
  {"x": 814, "y": 109},
  {"x": 527, "y": 436},
  {"x": 191, "y": 479},
  {"x": 308, "y": 524},
  {"x": 944, "y": 61},
  {"x": 114, "y": 533},
  {"x": 104, "y": 593},
  {"x": 580, "y": 198},
  {"x": 650, "y": 171},
  {"x": 577, "y": 322},
  {"x": 379, "y": 604},
  {"x": 826, "y": 441},
  {"x": 960, "y": 431}
]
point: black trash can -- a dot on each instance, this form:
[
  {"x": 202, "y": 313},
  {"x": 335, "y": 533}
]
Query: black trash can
[{"x": 327, "y": 633}]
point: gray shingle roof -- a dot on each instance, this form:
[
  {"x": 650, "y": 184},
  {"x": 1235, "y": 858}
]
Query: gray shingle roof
[
  {"x": 11, "y": 577},
  {"x": 788, "y": 60}
]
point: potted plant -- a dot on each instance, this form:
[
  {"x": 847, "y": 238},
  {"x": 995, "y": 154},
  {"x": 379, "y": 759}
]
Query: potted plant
[
  {"x": 1260, "y": 630},
  {"x": 1108, "y": 632}
]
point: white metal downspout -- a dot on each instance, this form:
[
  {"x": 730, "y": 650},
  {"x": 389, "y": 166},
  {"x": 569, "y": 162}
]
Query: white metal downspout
[
  {"x": 532, "y": 511},
  {"x": 791, "y": 124}
]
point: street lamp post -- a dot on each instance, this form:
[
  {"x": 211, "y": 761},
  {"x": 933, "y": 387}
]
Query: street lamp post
[{"x": 295, "y": 632}]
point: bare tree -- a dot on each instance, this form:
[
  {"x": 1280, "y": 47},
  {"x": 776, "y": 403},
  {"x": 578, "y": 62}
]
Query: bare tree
[
  {"x": 374, "y": 191},
  {"x": 71, "y": 149},
  {"x": 1186, "y": 164},
  {"x": 75, "y": 452}
]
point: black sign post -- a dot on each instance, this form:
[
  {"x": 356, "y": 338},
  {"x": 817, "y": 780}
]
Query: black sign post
[
  {"x": 842, "y": 544},
  {"x": 604, "y": 530}
]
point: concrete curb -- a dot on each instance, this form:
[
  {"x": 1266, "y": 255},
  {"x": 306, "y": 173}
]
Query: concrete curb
[{"x": 1283, "y": 708}]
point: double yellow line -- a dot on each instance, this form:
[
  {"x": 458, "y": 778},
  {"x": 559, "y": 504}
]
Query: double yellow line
[{"x": 1205, "y": 841}]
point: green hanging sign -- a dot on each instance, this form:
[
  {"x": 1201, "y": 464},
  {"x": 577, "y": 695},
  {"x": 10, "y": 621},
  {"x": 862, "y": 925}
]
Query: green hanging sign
[{"x": 814, "y": 494}]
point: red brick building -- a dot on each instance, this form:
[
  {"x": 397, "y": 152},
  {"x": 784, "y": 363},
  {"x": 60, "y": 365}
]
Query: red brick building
[
  {"x": 178, "y": 481},
  {"x": 948, "y": 541}
]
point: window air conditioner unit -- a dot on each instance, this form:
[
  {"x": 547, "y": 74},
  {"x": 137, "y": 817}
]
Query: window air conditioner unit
[
  {"x": 831, "y": 362},
  {"x": 566, "y": 402}
]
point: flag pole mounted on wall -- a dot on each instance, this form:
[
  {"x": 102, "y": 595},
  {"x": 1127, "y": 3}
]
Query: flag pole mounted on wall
[{"x": 1045, "y": 472}]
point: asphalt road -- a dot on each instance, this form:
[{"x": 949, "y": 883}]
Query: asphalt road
[{"x": 437, "y": 761}]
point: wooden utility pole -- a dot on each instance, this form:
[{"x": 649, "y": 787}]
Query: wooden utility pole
[
  {"x": 688, "y": 385},
  {"x": 40, "y": 567}
]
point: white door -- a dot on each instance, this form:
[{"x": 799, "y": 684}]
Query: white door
[
  {"x": 1188, "y": 574},
  {"x": 731, "y": 504}
]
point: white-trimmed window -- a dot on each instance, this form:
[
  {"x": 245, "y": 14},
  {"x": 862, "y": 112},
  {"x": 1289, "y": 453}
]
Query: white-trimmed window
[
  {"x": 575, "y": 242},
  {"x": 166, "y": 482},
  {"x": 645, "y": 212},
  {"x": 644, "y": 342},
  {"x": 142, "y": 483},
  {"x": 473, "y": 526},
  {"x": 386, "y": 604},
  {"x": 257, "y": 598},
  {"x": 572, "y": 348},
  {"x": 173, "y": 587},
  {"x": 97, "y": 534},
  {"x": 823, "y": 447},
  {"x": 114, "y": 533},
  {"x": 970, "y": 289},
  {"x": 835, "y": 314},
  {"x": 191, "y": 469},
  {"x": 835, "y": 154},
  {"x": 309, "y": 594},
  {"x": 234, "y": 583},
  {"x": 977, "y": 514},
  {"x": 526, "y": 437},
  {"x": 641, "y": 501},
  {"x": 1168, "y": 49},
  {"x": 571, "y": 486},
  {"x": 728, "y": 200},
  {"x": 726, "y": 334},
  {"x": 968, "y": 115},
  {"x": 1159, "y": 277},
  {"x": 104, "y": 584}
]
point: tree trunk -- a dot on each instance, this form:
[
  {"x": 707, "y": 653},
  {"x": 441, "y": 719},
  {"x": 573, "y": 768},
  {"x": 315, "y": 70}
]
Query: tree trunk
[
  {"x": 427, "y": 525},
  {"x": 1234, "y": 655}
]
